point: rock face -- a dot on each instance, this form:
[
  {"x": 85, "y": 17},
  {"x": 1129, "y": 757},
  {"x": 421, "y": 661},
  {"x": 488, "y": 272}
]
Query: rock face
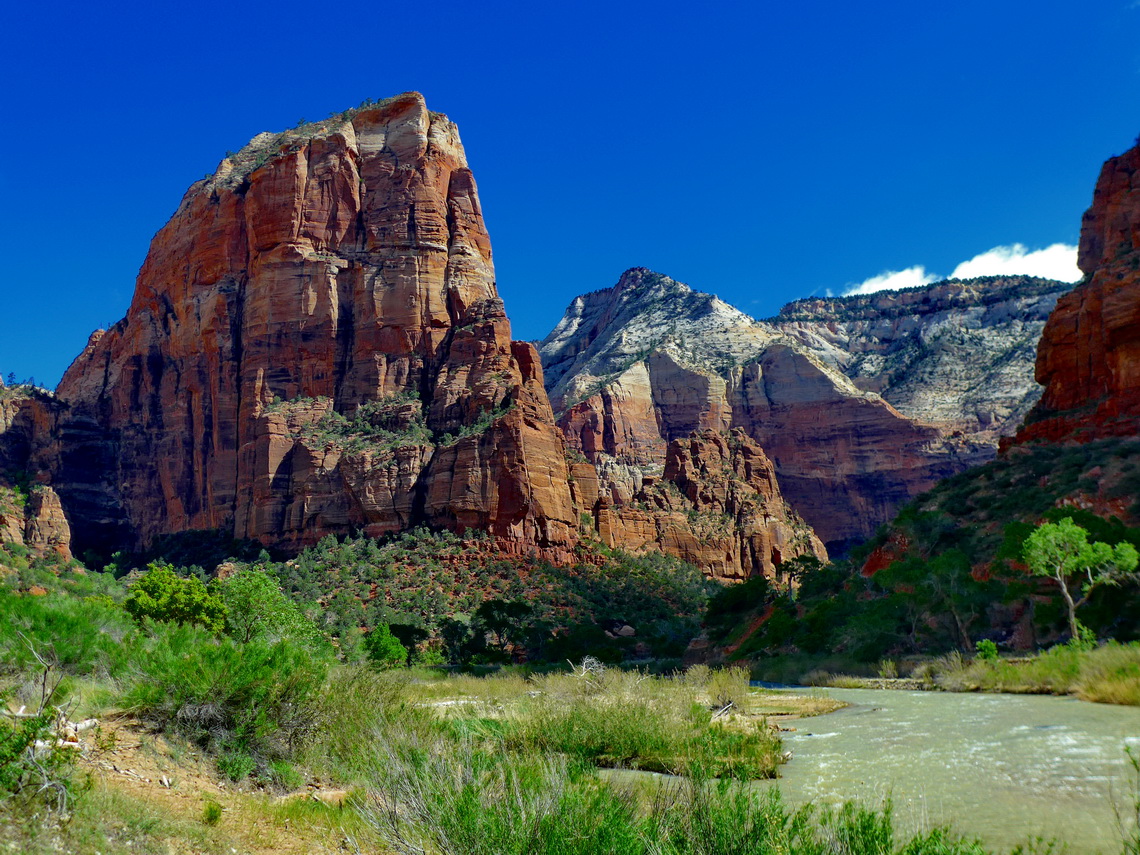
[
  {"x": 31, "y": 513},
  {"x": 634, "y": 367},
  {"x": 717, "y": 506},
  {"x": 958, "y": 354},
  {"x": 1089, "y": 358},
  {"x": 316, "y": 345}
]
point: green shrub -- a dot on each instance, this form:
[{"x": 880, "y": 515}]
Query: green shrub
[
  {"x": 986, "y": 651},
  {"x": 163, "y": 595},
  {"x": 236, "y": 765},
  {"x": 284, "y": 776},
  {"x": 84, "y": 638},
  {"x": 258, "y": 698},
  {"x": 212, "y": 813},
  {"x": 384, "y": 649},
  {"x": 257, "y": 608}
]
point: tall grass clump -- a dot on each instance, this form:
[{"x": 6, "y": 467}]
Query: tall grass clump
[
  {"x": 459, "y": 799},
  {"x": 454, "y": 797},
  {"x": 622, "y": 719},
  {"x": 1108, "y": 674},
  {"x": 358, "y": 709}
]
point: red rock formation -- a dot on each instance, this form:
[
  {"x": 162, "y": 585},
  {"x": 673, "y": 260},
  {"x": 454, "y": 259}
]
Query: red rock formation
[
  {"x": 846, "y": 459},
  {"x": 718, "y": 507},
  {"x": 316, "y": 346},
  {"x": 1089, "y": 356},
  {"x": 31, "y": 513},
  {"x": 46, "y": 528},
  {"x": 329, "y": 268},
  {"x": 649, "y": 361}
]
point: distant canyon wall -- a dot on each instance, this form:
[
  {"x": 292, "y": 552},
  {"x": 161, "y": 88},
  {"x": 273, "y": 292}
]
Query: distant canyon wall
[{"x": 861, "y": 402}]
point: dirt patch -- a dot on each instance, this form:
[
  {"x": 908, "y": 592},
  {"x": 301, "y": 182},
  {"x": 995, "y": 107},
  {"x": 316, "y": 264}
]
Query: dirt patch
[{"x": 126, "y": 757}]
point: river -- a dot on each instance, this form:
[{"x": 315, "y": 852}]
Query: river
[{"x": 1001, "y": 767}]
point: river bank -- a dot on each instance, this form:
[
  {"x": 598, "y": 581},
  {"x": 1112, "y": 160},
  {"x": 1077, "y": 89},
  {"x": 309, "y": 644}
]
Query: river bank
[
  {"x": 1004, "y": 769},
  {"x": 1107, "y": 674}
]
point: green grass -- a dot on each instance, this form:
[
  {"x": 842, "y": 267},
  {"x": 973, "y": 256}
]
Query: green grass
[
  {"x": 631, "y": 720},
  {"x": 1107, "y": 674},
  {"x": 510, "y": 769},
  {"x": 462, "y": 800},
  {"x": 113, "y": 823}
]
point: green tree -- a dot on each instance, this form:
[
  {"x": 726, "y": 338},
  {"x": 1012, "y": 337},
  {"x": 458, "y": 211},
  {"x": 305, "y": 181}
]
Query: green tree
[
  {"x": 161, "y": 594},
  {"x": 1062, "y": 551},
  {"x": 457, "y": 637},
  {"x": 411, "y": 636},
  {"x": 256, "y": 607},
  {"x": 506, "y": 624},
  {"x": 384, "y": 649}
]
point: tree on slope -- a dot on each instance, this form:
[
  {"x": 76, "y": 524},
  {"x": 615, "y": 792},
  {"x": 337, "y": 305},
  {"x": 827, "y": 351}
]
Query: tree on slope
[
  {"x": 1062, "y": 551},
  {"x": 161, "y": 594},
  {"x": 256, "y": 607}
]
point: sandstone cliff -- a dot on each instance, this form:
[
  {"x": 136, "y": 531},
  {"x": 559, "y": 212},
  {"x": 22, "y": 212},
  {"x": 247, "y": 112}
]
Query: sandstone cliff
[
  {"x": 861, "y": 403},
  {"x": 31, "y": 513},
  {"x": 717, "y": 505},
  {"x": 1089, "y": 358},
  {"x": 316, "y": 344}
]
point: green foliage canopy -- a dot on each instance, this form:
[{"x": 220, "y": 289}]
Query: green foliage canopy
[
  {"x": 257, "y": 608},
  {"x": 163, "y": 595},
  {"x": 1062, "y": 551},
  {"x": 384, "y": 649}
]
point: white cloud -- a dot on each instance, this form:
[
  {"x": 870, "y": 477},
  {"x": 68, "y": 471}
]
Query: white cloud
[
  {"x": 893, "y": 279},
  {"x": 1058, "y": 261}
]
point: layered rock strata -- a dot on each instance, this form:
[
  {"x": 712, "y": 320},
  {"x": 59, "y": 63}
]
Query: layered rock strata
[
  {"x": 31, "y": 512},
  {"x": 634, "y": 367},
  {"x": 717, "y": 505},
  {"x": 1089, "y": 358},
  {"x": 958, "y": 354},
  {"x": 316, "y": 345}
]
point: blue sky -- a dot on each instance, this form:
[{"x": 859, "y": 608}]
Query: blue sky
[{"x": 760, "y": 151}]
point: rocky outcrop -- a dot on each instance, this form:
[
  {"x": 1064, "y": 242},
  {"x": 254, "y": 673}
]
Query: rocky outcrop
[
  {"x": 1089, "y": 358},
  {"x": 717, "y": 505},
  {"x": 46, "y": 528},
  {"x": 31, "y": 513},
  {"x": 316, "y": 345},
  {"x": 636, "y": 366},
  {"x": 958, "y": 354}
]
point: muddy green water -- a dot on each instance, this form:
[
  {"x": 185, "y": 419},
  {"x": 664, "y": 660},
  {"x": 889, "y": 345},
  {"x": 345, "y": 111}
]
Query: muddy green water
[{"x": 1003, "y": 768}]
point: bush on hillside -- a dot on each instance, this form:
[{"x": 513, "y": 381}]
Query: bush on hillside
[
  {"x": 258, "y": 699},
  {"x": 257, "y": 608},
  {"x": 384, "y": 649},
  {"x": 163, "y": 595}
]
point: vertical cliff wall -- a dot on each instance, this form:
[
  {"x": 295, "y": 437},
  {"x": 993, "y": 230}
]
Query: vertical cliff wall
[
  {"x": 316, "y": 344},
  {"x": 1089, "y": 358}
]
